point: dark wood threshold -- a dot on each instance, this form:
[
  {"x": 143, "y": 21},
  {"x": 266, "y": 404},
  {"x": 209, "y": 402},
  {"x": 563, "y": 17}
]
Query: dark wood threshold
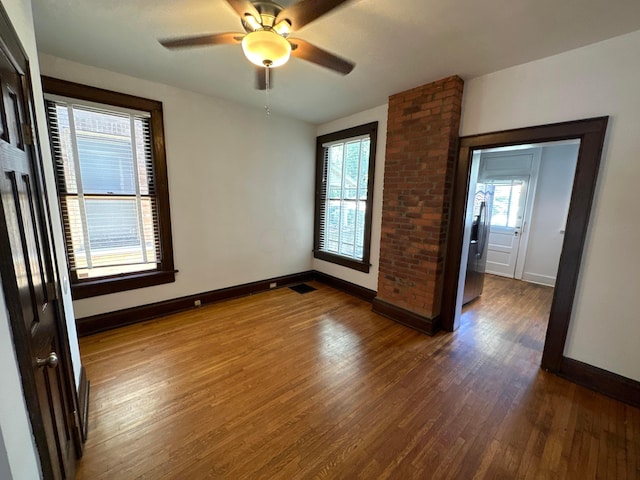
[
  {"x": 120, "y": 318},
  {"x": 602, "y": 381},
  {"x": 429, "y": 326},
  {"x": 83, "y": 403},
  {"x": 348, "y": 287}
]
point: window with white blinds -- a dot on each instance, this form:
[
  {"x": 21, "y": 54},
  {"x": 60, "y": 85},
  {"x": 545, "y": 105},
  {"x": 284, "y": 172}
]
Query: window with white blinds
[
  {"x": 344, "y": 188},
  {"x": 106, "y": 179}
]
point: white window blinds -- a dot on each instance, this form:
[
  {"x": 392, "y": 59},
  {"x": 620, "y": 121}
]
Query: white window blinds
[
  {"x": 104, "y": 171},
  {"x": 343, "y": 199}
]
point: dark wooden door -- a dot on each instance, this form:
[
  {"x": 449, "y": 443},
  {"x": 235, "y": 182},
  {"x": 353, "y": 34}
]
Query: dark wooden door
[{"x": 28, "y": 276}]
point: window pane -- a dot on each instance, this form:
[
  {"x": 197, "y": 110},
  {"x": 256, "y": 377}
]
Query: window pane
[
  {"x": 149, "y": 222},
  {"x": 364, "y": 169},
  {"x": 514, "y": 205},
  {"x": 112, "y": 230},
  {"x": 143, "y": 154},
  {"x": 334, "y": 182},
  {"x": 500, "y": 210},
  {"x": 348, "y": 227},
  {"x": 360, "y": 216},
  {"x": 352, "y": 160},
  {"x": 506, "y": 203},
  {"x": 112, "y": 223},
  {"x": 75, "y": 233},
  {"x": 332, "y": 227},
  {"x": 66, "y": 149},
  {"x": 105, "y": 153}
]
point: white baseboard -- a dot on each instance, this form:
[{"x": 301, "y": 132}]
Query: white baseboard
[
  {"x": 500, "y": 274},
  {"x": 539, "y": 279}
]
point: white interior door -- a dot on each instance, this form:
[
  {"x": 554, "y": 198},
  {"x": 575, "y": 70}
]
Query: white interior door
[{"x": 506, "y": 225}]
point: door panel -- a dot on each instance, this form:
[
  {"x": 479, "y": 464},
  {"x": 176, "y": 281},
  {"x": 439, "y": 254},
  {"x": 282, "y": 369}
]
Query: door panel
[
  {"x": 506, "y": 225},
  {"x": 27, "y": 270},
  {"x": 503, "y": 251}
]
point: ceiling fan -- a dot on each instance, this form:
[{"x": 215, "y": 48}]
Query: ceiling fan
[{"x": 266, "y": 42}]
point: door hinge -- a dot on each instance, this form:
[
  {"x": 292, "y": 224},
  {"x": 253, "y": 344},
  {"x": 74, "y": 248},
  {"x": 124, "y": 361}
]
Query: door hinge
[{"x": 28, "y": 134}]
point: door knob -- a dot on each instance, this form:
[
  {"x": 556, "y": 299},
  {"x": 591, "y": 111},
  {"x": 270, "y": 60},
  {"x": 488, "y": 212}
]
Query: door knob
[{"x": 51, "y": 361}]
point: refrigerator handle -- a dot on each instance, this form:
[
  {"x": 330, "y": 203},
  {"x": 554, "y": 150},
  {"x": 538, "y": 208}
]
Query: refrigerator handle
[{"x": 482, "y": 228}]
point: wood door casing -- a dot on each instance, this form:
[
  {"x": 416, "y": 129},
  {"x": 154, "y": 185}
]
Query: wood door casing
[{"x": 591, "y": 133}]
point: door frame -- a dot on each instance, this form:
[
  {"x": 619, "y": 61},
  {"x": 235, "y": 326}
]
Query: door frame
[
  {"x": 591, "y": 133},
  {"x": 12, "y": 47}
]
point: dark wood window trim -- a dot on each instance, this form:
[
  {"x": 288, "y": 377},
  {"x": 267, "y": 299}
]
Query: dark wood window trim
[
  {"x": 165, "y": 273},
  {"x": 591, "y": 133},
  {"x": 370, "y": 129}
]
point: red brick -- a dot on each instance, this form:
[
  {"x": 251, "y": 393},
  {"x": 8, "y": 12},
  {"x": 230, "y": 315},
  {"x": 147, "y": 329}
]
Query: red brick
[{"x": 421, "y": 152}]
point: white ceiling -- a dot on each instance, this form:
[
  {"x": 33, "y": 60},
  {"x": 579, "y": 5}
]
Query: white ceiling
[{"x": 396, "y": 44}]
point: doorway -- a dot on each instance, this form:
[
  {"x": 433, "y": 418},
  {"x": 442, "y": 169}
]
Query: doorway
[
  {"x": 590, "y": 133},
  {"x": 531, "y": 187}
]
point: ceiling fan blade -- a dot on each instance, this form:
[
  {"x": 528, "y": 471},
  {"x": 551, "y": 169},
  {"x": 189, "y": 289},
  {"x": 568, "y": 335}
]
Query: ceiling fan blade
[
  {"x": 306, "y": 11},
  {"x": 245, "y": 7},
  {"x": 311, "y": 53},
  {"x": 261, "y": 78},
  {"x": 202, "y": 40}
]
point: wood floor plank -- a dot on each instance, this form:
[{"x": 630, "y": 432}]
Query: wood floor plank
[{"x": 281, "y": 385}]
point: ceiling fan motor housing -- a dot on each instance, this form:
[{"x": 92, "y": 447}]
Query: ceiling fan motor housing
[{"x": 268, "y": 13}]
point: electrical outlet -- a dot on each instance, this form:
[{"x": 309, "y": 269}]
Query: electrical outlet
[
  {"x": 197, "y": 303},
  {"x": 273, "y": 285}
]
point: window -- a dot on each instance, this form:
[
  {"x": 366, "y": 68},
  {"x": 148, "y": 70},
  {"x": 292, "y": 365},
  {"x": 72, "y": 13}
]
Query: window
[
  {"x": 110, "y": 166},
  {"x": 506, "y": 202},
  {"x": 344, "y": 192}
]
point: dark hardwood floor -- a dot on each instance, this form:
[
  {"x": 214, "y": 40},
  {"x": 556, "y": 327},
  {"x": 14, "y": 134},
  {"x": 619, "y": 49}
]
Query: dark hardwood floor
[{"x": 281, "y": 385}]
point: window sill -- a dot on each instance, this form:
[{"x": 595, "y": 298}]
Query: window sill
[
  {"x": 360, "y": 265},
  {"x": 105, "y": 285}
]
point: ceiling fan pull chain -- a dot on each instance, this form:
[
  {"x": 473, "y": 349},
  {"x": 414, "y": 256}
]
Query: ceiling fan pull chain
[{"x": 268, "y": 87}]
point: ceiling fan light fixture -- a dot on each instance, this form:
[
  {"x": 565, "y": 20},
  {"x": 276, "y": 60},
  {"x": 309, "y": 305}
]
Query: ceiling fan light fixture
[{"x": 266, "y": 48}]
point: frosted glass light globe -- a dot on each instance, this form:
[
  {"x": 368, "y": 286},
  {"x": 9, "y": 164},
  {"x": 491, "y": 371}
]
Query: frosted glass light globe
[{"x": 266, "y": 48}]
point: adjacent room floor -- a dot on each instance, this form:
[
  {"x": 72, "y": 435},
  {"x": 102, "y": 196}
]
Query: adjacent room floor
[{"x": 283, "y": 385}]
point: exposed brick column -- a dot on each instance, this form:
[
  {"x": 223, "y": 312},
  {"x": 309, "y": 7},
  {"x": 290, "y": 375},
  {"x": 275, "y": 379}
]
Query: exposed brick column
[{"x": 422, "y": 142}]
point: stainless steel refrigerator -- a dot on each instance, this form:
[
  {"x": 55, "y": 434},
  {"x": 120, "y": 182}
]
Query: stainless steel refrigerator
[{"x": 479, "y": 242}]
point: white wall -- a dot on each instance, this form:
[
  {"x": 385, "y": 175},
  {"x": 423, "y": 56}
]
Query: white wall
[
  {"x": 550, "y": 207},
  {"x": 596, "y": 80},
  {"x": 5, "y": 469},
  {"x": 367, "y": 280},
  {"x": 240, "y": 186}
]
